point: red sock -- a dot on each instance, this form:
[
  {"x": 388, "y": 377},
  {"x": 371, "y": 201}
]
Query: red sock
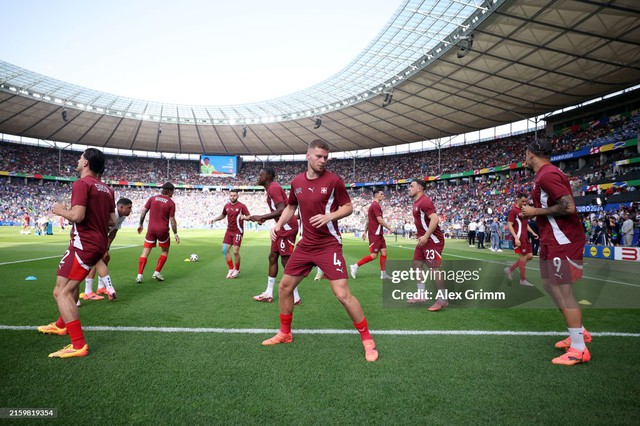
[
  {"x": 285, "y": 323},
  {"x": 230, "y": 264},
  {"x": 141, "y": 264},
  {"x": 363, "y": 329},
  {"x": 523, "y": 274},
  {"x": 238, "y": 265},
  {"x": 75, "y": 332},
  {"x": 161, "y": 261},
  {"x": 383, "y": 263},
  {"x": 514, "y": 266},
  {"x": 364, "y": 260},
  {"x": 60, "y": 323}
]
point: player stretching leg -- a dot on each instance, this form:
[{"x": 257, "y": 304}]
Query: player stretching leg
[{"x": 322, "y": 199}]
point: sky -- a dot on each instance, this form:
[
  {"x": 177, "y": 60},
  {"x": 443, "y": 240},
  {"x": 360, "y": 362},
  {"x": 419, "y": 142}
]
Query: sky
[{"x": 190, "y": 52}]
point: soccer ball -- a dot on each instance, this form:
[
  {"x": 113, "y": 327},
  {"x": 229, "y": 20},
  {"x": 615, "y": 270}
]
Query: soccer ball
[{"x": 193, "y": 257}]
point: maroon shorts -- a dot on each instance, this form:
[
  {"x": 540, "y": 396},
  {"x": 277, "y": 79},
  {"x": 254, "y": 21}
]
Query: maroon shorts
[
  {"x": 376, "y": 244},
  {"x": 561, "y": 264},
  {"x": 285, "y": 242},
  {"x": 430, "y": 253},
  {"x": 76, "y": 264},
  {"x": 327, "y": 258},
  {"x": 161, "y": 238},
  {"x": 525, "y": 247},
  {"x": 232, "y": 239}
]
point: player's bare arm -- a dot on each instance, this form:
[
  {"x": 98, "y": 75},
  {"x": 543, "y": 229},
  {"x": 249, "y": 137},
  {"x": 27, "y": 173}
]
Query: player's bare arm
[
  {"x": 142, "y": 216},
  {"x": 565, "y": 206},
  {"x": 516, "y": 240},
  {"x": 320, "y": 220},
  {"x": 433, "y": 224},
  {"x": 219, "y": 217},
  {"x": 383, "y": 223},
  {"x": 287, "y": 214},
  {"x": 174, "y": 228},
  {"x": 112, "y": 219},
  {"x": 74, "y": 215},
  {"x": 264, "y": 217}
]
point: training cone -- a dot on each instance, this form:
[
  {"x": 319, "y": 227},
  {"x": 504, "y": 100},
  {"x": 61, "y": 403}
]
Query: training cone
[
  {"x": 30, "y": 278},
  {"x": 187, "y": 260},
  {"x": 584, "y": 302}
]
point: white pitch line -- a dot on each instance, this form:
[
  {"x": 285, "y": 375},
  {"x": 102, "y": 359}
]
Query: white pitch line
[
  {"x": 53, "y": 257},
  {"x": 528, "y": 267},
  {"x": 330, "y": 331}
]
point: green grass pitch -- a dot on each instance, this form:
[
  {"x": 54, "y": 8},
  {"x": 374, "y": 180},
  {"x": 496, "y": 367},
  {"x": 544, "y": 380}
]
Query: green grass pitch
[{"x": 153, "y": 376}]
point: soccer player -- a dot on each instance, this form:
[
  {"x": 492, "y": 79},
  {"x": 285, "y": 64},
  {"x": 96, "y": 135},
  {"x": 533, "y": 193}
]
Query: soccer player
[
  {"x": 26, "y": 224},
  {"x": 105, "y": 286},
  {"x": 235, "y": 212},
  {"x": 162, "y": 211},
  {"x": 562, "y": 242},
  {"x": 519, "y": 229},
  {"x": 282, "y": 246},
  {"x": 430, "y": 240},
  {"x": 322, "y": 199},
  {"x": 91, "y": 213},
  {"x": 377, "y": 243}
]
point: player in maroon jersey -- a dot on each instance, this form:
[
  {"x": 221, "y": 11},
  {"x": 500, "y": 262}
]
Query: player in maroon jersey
[
  {"x": 283, "y": 245},
  {"x": 519, "y": 228},
  {"x": 377, "y": 243},
  {"x": 428, "y": 251},
  {"x": 322, "y": 200},
  {"x": 26, "y": 224},
  {"x": 562, "y": 242},
  {"x": 162, "y": 212},
  {"x": 235, "y": 212},
  {"x": 91, "y": 213}
]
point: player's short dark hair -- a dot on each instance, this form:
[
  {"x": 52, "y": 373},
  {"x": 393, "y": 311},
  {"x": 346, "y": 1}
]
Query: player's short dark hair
[
  {"x": 540, "y": 148},
  {"x": 95, "y": 157},
  {"x": 270, "y": 172},
  {"x": 124, "y": 202},
  {"x": 233, "y": 190},
  {"x": 167, "y": 187},
  {"x": 420, "y": 182},
  {"x": 522, "y": 194},
  {"x": 376, "y": 190},
  {"x": 319, "y": 143}
]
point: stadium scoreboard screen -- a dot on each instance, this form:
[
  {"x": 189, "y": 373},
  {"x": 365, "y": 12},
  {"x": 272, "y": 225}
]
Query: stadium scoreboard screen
[{"x": 218, "y": 165}]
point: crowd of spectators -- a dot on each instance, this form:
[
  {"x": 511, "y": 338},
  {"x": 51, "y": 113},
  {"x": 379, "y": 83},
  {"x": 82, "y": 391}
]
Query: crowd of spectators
[
  {"x": 458, "y": 202},
  {"x": 503, "y": 151}
]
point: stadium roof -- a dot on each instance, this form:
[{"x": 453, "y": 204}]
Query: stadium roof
[{"x": 438, "y": 68}]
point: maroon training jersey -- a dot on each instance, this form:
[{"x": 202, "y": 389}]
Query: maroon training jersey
[
  {"x": 374, "y": 229},
  {"x": 322, "y": 195},
  {"x": 161, "y": 208},
  {"x": 519, "y": 223},
  {"x": 275, "y": 196},
  {"x": 234, "y": 213},
  {"x": 91, "y": 234},
  {"x": 549, "y": 185},
  {"x": 422, "y": 208}
]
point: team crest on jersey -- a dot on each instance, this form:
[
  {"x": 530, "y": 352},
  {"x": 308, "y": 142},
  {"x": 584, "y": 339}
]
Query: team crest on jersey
[
  {"x": 323, "y": 190},
  {"x": 298, "y": 191}
]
